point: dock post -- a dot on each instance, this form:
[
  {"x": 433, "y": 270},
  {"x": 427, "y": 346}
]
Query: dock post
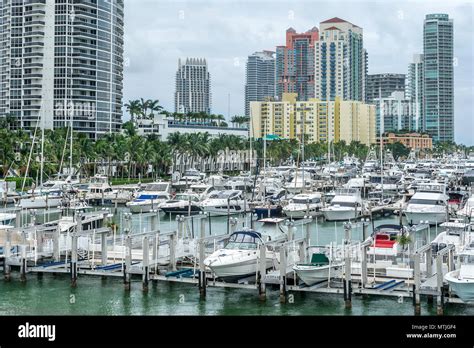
[
  {"x": 308, "y": 233},
  {"x": 347, "y": 263},
  {"x": 23, "y": 261},
  {"x": 145, "y": 263},
  {"x": 103, "y": 244},
  {"x": 6, "y": 266},
  {"x": 202, "y": 267},
  {"x": 439, "y": 284},
  {"x": 18, "y": 219},
  {"x": 283, "y": 274},
  {"x": 74, "y": 260},
  {"x": 429, "y": 270},
  {"x": 416, "y": 286},
  {"x": 365, "y": 226},
  {"x": 203, "y": 226},
  {"x": 262, "y": 272},
  {"x": 173, "y": 251},
  {"x": 56, "y": 251},
  {"x": 364, "y": 266},
  {"x": 128, "y": 262}
]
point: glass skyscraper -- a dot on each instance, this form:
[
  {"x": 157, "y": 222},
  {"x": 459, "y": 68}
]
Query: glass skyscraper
[
  {"x": 438, "y": 120},
  {"x": 61, "y": 63},
  {"x": 260, "y": 78}
]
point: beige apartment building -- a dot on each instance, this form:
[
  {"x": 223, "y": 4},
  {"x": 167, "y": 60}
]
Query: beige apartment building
[{"x": 314, "y": 120}]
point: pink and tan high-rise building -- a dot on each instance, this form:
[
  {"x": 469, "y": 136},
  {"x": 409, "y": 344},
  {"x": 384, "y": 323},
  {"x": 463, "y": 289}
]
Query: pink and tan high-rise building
[{"x": 295, "y": 66}]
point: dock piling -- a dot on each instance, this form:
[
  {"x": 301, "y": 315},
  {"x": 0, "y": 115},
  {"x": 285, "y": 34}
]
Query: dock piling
[
  {"x": 173, "y": 251},
  {"x": 283, "y": 274},
  {"x": 347, "y": 263},
  {"x": 262, "y": 272},
  {"x": 128, "y": 262},
  {"x": 23, "y": 260},
  {"x": 6, "y": 266},
  {"x": 202, "y": 267},
  {"x": 74, "y": 260},
  {"x": 416, "y": 286},
  {"x": 145, "y": 263},
  {"x": 439, "y": 284},
  {"x": 103, "y": 244}
]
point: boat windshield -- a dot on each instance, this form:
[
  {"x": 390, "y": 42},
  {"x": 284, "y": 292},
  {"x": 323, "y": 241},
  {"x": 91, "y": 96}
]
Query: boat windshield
[
  {"x": 186, "y": 198},
  {"x": 242, "y": 241},
  {"x": 344, "y": 204},
  {"x": 157, "y": 187},
  {"x": 425, "y": 201},
  {"x": 306, "y": 201},
  {"x": 153, "y": 197},
  {"x": 224, "y": 195}
]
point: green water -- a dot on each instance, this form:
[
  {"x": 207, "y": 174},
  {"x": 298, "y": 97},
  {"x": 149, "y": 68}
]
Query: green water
[{"x": 52, "y": 294}]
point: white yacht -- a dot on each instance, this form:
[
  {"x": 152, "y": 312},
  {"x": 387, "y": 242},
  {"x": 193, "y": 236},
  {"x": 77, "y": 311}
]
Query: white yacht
[
  {"x": 346, "y": 205},
  {"x": 429, "y": 203},
  {"x": 467, "y": 211},
  {"x": 304, "y": 204},
  {"x": 224, "y": 202},
  {"x": 300, "y": 182},
  {"x": 461, "y": 281},
  {"x": 183, "y": 203},
  {"x": 50, "y": 199},
  {"x": 150, "y": 198},
  {"x": 456, "y": 233},
  {"x": 190, "y": 177},
  {"x": 99, "y": 188},
  {"x": 241, "y": 256}
]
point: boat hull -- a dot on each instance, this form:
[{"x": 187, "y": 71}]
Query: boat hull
[
  {"x": 464, "y": 289},
  {"x": 310, "y": 274},
  {"x": 234, "y": 270},
  {"x": 340, "y": 214},
  {"x": 39, "y": 203},
  {"x": 181, "y": 210},
  {"x": 433, "y": 218}
]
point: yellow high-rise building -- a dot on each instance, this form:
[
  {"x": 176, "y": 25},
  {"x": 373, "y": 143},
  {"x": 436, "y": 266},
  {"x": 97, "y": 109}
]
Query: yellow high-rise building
[{"x": 319, "y": 121}]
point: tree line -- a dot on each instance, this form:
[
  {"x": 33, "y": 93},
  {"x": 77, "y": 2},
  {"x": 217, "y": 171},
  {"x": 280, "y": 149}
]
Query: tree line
[{"x": 132, "y": 155}]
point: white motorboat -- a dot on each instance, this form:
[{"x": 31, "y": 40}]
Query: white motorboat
[
  {"x": 182, "y": 203},
  {"x": 224, "y": 202},
  {"x": 429, "y": 203},
  {"x": 190, "y": 177},
  {"x": 385, "y": 240},
  {"x": 461, "y": 281},
  {"x": 241, "y": 256},
  {"x": 346, "y": 205},
  {"x": 456, "y": 233},
  {"x": 304, "y": 204},
  {"x": 467, "y": 211},
  {"x": 52, "y": 199},
  {"x": 150, "y": 198},
  {"x": 322, "y": 267}
]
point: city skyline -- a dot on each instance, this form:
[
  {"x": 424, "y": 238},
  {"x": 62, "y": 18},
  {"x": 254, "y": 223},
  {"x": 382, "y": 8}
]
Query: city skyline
[{"x": 226, "y": 33}]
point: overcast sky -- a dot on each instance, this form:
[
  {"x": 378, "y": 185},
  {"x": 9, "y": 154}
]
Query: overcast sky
[{"x": 225, "y": 32}]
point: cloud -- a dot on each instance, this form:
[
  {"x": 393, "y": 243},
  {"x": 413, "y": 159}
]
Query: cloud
[{"x": 225, "y": 32}]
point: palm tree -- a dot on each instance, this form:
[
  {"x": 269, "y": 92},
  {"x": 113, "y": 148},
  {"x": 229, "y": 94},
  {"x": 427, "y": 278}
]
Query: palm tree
[
  {"x": 404, "y": 240},
  {"x": 144, "y": 105},
  {"x": 154, "y": 106},
  {"x": 133, "y": 108}
]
